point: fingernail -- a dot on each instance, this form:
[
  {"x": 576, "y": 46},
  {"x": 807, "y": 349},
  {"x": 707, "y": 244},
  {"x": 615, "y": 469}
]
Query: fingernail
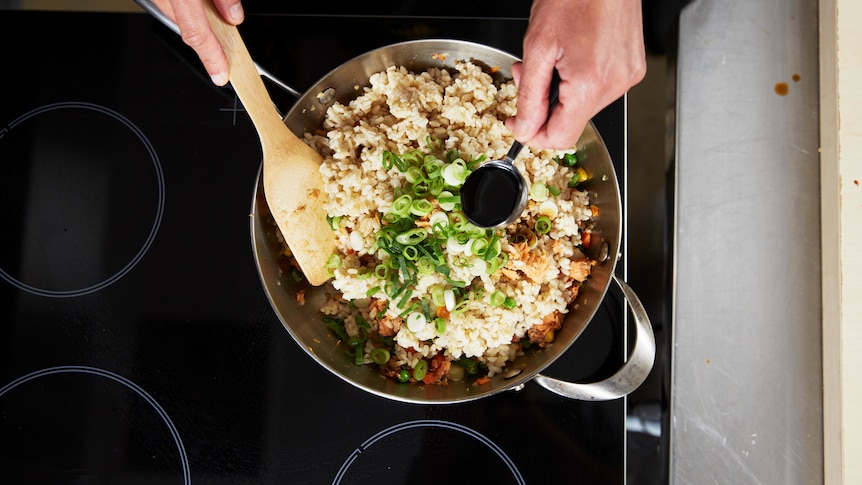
[
  {"x": 219, "y": 78},
  {"x": 517, "y": 127},
  {"x": 236, "y": 13}
]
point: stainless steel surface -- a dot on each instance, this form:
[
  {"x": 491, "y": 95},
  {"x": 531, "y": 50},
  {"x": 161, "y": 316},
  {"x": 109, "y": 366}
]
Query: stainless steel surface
[
  {"x": 153, "y": 10},
  {"x": 746, "y": 402},
  {"x": 630, "y": 376},
  {"x": 303, "y": 323}
]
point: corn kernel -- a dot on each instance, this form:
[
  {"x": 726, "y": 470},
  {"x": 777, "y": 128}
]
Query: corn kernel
[{"x": 582, "y": 174}]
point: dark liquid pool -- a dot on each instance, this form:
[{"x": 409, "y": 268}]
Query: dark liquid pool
[{"x": 489, "y": 196}]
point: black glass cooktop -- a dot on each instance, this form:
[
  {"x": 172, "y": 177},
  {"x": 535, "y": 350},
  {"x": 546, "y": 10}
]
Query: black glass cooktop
[{"x": 136, "y": 342}]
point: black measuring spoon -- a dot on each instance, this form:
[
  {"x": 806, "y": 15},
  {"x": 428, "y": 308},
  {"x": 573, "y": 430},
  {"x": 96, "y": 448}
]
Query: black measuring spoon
[{"x": 495, "y": 194}]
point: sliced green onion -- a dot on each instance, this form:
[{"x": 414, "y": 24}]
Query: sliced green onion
[
  {"x": 404, "y": 299},
  {"x": 411, "y": 159},
  {"x": 411, "y": 237},
  {"x": 440, "y": 325},
  {"x": 455, "y": 173},
  {"x": 391, "y": 289},
  {"x": 478, "y": 266},
  {"x": 334, "y": 222},
  {"x": 439, "y": 218},
  {"x": 392, "y": 160},
  {"x": 457, "y": 243},
  {"x": 433, "y": 167},
  {"x": 510, "y": 302},
  {"x": 539, "y": 192},
  {"x": 371, "y": 291},
  {"x": 553, "y": 190},
  {"x": 382, "y": 311},
  {"x": 459, "y": 222},
  {"x": 469, "y": 365},
  {"x": 449, "y": 299},
  {"x": 493, "y": 249},
  {"x": 421, "y": 188},
  {"x": 456, "y": 283},
  {"x": 413, "y": 307},
  {"x": 498, "y": 262},
  {"x": 358, "y": 356},
  {"x": 381, "y": 271},
  {"x": 435, "y": 186},
  {"x": 421, "y": 369},
  {"x": 410, "y": 253},
  {"x": 416, "y": 322},
  {"x": 473, "y": 162},
  {"x": 497, "y": 298},
  {"x": 413, "y": 174},
  {"x": 401, "y": 205},
  {"x": 433, "y": 143},
  {"x": 296, "y": 275},
  {"x": 543, "y": 225},
  {"x": 479, "y": 247},
  {"x": 337, "y": 327},
  {"x": 421, "y": 207},
  {"x": 461, "y": 307},
  {"x": 333, "y": 263},
  {"x": 424, "y": 265},
  {"x": 380, "y": 355},
  {"x": 447, "y": 200},
  {"x": 437, "y": 296}
]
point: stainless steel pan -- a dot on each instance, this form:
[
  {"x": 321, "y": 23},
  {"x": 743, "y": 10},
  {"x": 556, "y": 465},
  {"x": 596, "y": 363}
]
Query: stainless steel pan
[{"x": 303, "y": 322}]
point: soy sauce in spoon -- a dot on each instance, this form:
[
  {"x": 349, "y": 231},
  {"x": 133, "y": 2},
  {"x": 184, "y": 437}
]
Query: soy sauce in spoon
[{"x": 495, "y": 194}]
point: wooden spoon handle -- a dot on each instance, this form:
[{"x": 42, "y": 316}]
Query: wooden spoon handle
[
  {"x": 292, "y": 182},
  {"x": 247, "y": 83}
]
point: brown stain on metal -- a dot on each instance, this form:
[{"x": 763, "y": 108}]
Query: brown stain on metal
[
  {"x": 796, "y": 78},
  {"x": 782, "y": 89}
]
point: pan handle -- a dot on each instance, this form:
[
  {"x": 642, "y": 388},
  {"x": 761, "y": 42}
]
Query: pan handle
[
  {"x": 630, "y": 376},
  {"x": 153, "y": 10}
]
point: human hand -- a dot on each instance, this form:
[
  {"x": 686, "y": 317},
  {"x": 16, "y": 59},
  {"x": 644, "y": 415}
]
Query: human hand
[
  {"x": 597, "y": 47},
  {"x": 190, "y": 16}
]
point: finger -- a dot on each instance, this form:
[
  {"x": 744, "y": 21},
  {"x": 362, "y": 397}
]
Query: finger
[
  {"x": 517, "y": 68},
  {"x": 578, "y": 103},
  {"x": 516, "y": 78},
  {"x": 562, "y": 130},
  {"x": 165, "y": 7},
  {"x": 196, "y": 32},
  {"x": 533, "y": 89},
  {"x": 231, "y": 10}
]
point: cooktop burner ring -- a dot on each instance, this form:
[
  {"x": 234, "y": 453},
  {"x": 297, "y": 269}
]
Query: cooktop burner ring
[
  {"x": 160, "y": 202},
  {"x": 71, "y": 369},
  {"x": 430, "y": 423}
]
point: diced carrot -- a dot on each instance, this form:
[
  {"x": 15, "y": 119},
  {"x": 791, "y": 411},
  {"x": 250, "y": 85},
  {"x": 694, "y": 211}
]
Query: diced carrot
[{"x": 483, "y": 380}]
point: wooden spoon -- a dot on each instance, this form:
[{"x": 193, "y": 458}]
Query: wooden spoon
[{"x": 292, "y": 183}]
